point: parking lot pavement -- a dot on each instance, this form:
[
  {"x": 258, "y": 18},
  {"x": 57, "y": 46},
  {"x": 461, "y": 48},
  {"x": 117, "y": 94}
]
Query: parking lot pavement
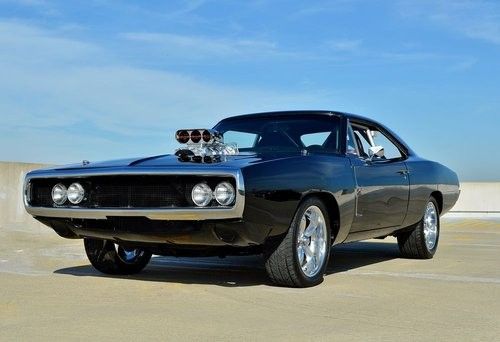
[{"x": 48, "y": 290}]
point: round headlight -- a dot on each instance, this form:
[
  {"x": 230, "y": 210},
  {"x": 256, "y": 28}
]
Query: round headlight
[
  {"x": 224, "y": 193},
  {"x": 59, "y": 194},
  {"x": 201, "y": 194},
  {"x": 76, "y": 193}
]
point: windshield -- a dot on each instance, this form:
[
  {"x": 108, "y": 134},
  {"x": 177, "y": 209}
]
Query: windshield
[{"x": 312, "y": 133}]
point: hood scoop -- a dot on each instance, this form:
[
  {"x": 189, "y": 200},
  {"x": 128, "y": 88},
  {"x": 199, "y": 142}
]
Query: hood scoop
[{"x": 203, "y": 146}]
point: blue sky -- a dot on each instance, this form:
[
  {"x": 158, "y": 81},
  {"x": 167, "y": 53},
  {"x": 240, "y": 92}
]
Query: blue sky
[{"x": 107, "y": 79}]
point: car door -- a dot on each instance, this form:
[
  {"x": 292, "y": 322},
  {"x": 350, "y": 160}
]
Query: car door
[{"x": 382, "y": 182}]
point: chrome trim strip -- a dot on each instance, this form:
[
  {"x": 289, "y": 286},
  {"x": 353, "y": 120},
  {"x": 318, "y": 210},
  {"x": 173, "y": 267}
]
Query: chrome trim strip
[{"x": 196, "y": 214}]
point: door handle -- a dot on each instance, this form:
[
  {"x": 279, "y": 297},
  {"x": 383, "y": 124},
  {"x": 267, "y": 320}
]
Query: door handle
[{"x": 404, "y": 172}]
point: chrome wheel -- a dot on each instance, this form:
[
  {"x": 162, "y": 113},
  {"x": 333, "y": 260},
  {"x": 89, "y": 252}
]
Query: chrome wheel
[
  {"x": 111, "y": 258},
  {"x": 128, "y": 255},
  {"x": 311, "y": 241},
  {"x": 431, "y": 222}
]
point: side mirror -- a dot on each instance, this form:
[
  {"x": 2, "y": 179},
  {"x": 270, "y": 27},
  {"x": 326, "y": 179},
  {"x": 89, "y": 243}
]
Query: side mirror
[{"x": 375, "y": 151}]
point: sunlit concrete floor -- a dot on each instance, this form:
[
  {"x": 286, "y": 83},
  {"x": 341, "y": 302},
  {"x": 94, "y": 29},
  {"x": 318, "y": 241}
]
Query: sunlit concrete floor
[{"x": 48, "y": 290}]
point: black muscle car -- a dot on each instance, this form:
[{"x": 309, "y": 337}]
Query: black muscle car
[{"x": 287, "y": 185}]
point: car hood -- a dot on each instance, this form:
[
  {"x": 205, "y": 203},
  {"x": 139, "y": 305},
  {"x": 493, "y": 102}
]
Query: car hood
[{"x": 171, "y": 161}]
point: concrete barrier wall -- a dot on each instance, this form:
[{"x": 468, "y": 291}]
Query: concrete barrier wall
[
  {"x": 474, "y": 198},
  {"x": 479, "y": 198},
  {"x": 12, "y": 213}
]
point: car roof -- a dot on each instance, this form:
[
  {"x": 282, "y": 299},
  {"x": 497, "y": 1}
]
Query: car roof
[
  {"x": 353, "y": 117},
  {"x": 297, "y": 113}
]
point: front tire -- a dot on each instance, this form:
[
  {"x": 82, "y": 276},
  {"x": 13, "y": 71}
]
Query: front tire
[
  {"x": 300, "y": 260},
  {"x": 422, "y": 241},
  {"x": 110, "y": 258}
]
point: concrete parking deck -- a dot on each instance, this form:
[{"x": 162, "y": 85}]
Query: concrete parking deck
[{"x": 48, "y": 290}]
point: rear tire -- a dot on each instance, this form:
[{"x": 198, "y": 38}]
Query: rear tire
[
  {"x": 109, "y": 258},
  {"x": 300, "y": 260},
  {"x": 422, "y": 241}
]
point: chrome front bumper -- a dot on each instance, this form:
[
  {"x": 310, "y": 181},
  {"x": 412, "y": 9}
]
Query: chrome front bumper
[{"x": 192, "y": 213}]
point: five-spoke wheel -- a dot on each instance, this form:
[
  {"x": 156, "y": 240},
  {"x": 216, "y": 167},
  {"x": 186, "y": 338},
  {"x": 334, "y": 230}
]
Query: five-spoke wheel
[
  {"x": 311, "y": 241},
  {"x": 111, "y": 258},
  {"x": 301, "y": 258},
  {"x": 431, "y": 220}
]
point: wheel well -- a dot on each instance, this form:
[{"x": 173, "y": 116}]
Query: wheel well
[
  {"x": 333, "y": 210},
  {"x": 438, "y": 196}
]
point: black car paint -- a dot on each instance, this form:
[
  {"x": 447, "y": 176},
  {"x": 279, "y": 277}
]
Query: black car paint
[{"x": 366, "y": 198}]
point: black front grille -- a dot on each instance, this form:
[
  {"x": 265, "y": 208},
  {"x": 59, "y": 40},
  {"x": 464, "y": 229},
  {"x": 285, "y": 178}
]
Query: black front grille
[{"x": 126, "y": 191}]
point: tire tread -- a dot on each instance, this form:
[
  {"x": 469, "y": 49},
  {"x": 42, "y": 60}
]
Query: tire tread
[{"x": 412, "y": 243}]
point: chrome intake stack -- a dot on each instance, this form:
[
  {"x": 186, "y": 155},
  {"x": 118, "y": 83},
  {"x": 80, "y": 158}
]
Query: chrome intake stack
[{"x": 203, "y": 146}]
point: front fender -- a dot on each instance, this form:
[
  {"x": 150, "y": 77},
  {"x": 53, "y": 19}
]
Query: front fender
[{"x": 274, "y": 189}]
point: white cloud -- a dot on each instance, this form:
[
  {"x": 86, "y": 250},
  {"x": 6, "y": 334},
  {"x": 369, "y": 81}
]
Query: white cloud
[
  {"x": 41, "y": 7},
  {"x": 345, "y": 45},
  {"x": 28, "y": 3},
  {"x": 463, "y": 65},
  {"x": 51, "y": 86},
  {"x": 22, "y": 44},
  {"x": 190, "y": 6},
  {"x": 200, "y": 47},
  {"x": 324, "y": 6},
  {"x": 353, "y": 51},
  {"x": 476, "y": 19}
]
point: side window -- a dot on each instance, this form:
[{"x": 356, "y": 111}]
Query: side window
[
  {"x": 391, "y": 151},
  {"x": 361, "y": 137},
  {"x": 367, "y": 137},
  {"x": 241, "y": 139},
  {"x": 351, "y": 143}
]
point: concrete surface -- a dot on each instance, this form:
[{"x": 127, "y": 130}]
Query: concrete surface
[{"x": 48, "y": 291}]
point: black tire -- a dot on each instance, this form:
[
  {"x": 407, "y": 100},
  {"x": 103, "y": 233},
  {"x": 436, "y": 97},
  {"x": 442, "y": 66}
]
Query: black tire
[
  {"x": 282, "y": 263},
  {"x": 105, "y": 257},
  {"x": 412, "y": 243}
]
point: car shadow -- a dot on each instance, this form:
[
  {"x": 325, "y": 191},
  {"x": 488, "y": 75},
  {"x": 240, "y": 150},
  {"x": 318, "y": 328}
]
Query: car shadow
[
  {"x": 241, "y": 271},
  {"x": 354, "y": 255},
  {"x": 229, "y": 271}
]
